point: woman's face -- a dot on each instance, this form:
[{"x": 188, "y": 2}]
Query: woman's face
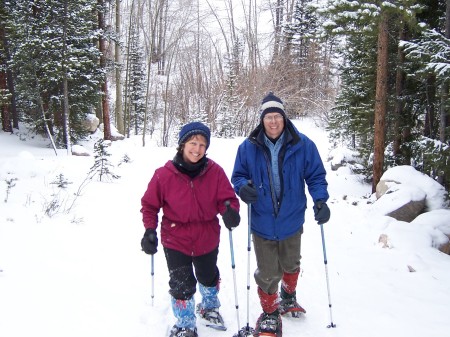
[{"x": 194, "y": 149}]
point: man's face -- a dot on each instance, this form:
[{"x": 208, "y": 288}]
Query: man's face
[{"x": 273, "y": 124}]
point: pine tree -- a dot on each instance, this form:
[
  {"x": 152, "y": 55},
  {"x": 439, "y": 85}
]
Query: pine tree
[
  {"x": 356, "y": 23},
  {"x": 306, "y": 62},
  {"x": 40, "y": 64},
  {"x": 229, "y": 110},
  {"x": 7, "y": 92},
  {"x": 102, "y": 166},
  {"x": 351, "y": 120},
  {"x": 136, "y": 85}
]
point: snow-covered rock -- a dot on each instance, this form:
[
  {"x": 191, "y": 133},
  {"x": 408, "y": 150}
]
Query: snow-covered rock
[
  {"x": 91, "y": 123},
  {"x": 78, "y": 150}
]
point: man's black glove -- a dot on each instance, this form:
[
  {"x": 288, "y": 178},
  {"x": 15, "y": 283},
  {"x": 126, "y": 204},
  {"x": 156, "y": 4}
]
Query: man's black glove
[
  {"x": 231, "y": 218},
  {"x": 149, "y": 242},
  {"x": 321, "y": 212},
  {"x": 248, "y": 194}
]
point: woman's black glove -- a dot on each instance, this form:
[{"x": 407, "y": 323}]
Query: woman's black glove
[
  {"x": 321, "y": 212},
  {"x": 248, "y": 193},
  {"x": 149, "y": 242},
  {"x": 231, "y": 218}
]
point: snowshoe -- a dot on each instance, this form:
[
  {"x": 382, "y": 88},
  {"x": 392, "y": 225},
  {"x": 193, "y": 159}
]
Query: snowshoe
[
  {"x": 183, "y": 332},
  {"x": 269, "y": 325},
  {"x": 211, "y": 317},
  {"x": 290, "y": 305}
]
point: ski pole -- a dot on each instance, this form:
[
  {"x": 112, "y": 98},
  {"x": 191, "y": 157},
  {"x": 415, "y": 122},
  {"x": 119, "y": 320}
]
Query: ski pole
[
  {"x": 234, "y": 278},
  {"x": 249, "y": 248},
  {"x": 153, "y": 277},
  {"x": 331, "y": 325},
  {"x": 247, "y": 330},
  {"x": 233, "y": 267}
]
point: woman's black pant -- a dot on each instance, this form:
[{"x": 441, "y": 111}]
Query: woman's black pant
[{"x": 183, "y": 281}]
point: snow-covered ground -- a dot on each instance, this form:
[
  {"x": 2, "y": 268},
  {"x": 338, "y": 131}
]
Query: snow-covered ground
[{"x": 79, "y": 271}]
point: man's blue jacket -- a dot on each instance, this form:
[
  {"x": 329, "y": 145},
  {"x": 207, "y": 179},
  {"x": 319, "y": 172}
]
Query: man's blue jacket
[{"x": 299, "y": 162}]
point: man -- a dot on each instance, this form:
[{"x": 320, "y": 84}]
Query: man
[{"x": 271, "y": 168}]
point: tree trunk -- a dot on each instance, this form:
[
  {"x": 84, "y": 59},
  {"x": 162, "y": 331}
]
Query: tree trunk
[
  {"x": 9, "y": 78},
  {"x": 399, "y": 120},
  {"x": 119, "y": 109},
  {"x": 444, "y": 113},
  {"x": 6, "y": 122},
  {"x": 126, "y": 110},
  {"x": 444, "y": 108},
  {"x": 157, "y": 28},
  {"x": 66, "y": 111},
  {"x": 40, "y": 105},
  {"x": 278, "y": 22},
  {"x": 429, "y": 129},
  {"x": 380, "y": 99},
  {"x": 104, "y": 85}
]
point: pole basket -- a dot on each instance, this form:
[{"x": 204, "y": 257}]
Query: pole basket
[{"x": 245, "y": 331}]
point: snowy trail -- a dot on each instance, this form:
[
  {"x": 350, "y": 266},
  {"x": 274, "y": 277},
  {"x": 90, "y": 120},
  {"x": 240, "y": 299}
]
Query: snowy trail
[{"x": 83, "y": 274}]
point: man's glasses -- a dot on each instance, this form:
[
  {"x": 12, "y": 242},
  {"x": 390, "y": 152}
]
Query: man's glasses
[{"x": 276, "y": 118}]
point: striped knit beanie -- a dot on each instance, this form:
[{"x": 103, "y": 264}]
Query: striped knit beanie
[{"x": 272, "y": 103}]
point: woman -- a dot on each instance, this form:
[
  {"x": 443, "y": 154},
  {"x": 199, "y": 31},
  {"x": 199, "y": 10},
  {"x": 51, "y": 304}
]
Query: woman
[{"x": 191, "y": 190}]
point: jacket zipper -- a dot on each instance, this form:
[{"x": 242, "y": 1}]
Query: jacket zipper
[{"x": 272, "y": 189}]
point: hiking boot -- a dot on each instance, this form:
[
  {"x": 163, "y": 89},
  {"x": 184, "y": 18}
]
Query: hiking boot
[
  {"x": 183, "y": 332},
  {"x": 289, "y": 304}
]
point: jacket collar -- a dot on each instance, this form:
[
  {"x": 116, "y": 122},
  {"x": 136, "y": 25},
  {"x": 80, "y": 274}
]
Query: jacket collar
[
  {"x": 171, "y": 167},
  {"x": 192, "y": 170}
]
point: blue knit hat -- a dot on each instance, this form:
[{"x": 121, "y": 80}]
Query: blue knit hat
[
  {"x": 272, "y": 103},
  {"x": 194, "y": 128}
]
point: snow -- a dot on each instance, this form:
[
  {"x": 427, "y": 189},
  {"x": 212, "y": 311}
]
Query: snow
[{"x": 71, "y": 263}]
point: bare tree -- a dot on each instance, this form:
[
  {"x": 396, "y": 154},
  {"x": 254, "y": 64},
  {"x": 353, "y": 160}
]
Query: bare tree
[
  {"x": 126, "y": 111},
  {"x": 156, "y": 12},
  {"x": 118, "y": 61}
]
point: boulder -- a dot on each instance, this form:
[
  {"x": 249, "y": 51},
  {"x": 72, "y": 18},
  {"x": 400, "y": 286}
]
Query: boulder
[
  {"x": 401, "y": 202},
  {"x": 91, "y": 123},
  {"x": 445, "y": 248},
  {"x": 409, "y": 211},
  {"x": 340, "y": 157},
  {"x": 406, "y": 193},
  {"x": 115, "y": 135},
  {"x": 383, "y": 186}
]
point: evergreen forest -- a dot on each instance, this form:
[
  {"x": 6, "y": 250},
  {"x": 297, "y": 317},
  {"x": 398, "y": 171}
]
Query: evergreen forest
[{"x": 374, "y": 73}]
